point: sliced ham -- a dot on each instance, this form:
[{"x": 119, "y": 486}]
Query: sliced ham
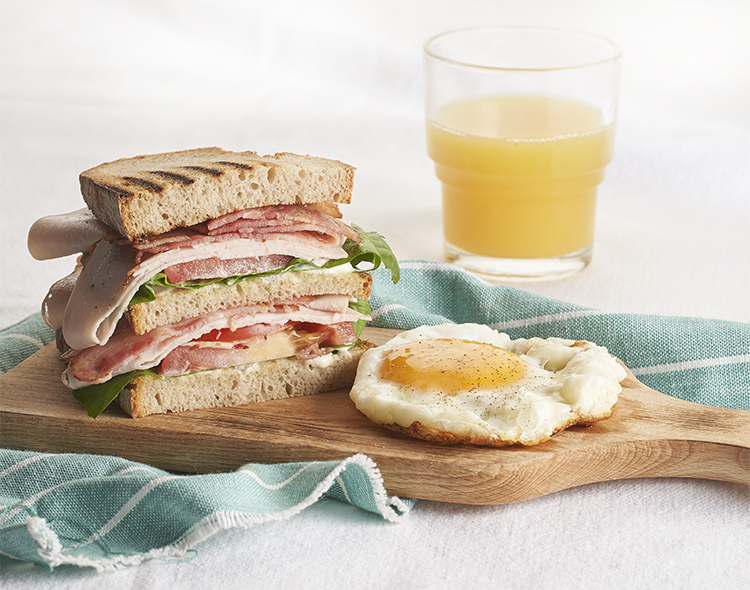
[
  {"x": 100, "y": 295},
  {"x": 56, "y": 301},
  {"x": 56, "y": 236},
  {"x": 126, "y": 351}
]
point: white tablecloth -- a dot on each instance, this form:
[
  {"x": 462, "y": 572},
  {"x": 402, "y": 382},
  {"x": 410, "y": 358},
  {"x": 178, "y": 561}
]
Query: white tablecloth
[{"x": 85, "y": 82}]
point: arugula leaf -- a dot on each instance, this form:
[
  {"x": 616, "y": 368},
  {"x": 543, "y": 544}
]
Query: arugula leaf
[
  {"x": 373, "y": 249},
  {"x": 95, "y": 398},
  {"x": 145, "y": 292},
  {"x": 363, "y": 307}
]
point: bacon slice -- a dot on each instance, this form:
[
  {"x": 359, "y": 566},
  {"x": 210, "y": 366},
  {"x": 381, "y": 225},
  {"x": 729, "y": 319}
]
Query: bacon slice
[
  {"x": 171, "y": 239},
  {"x": 199, "y": 356},
  {"x": 254, "y": 223},
  {"x": 331, "y": 335},
  {"x": 242, "y": 347},
  {"x": 126, "y": 351},
  {"x": 280, "y": 218}
]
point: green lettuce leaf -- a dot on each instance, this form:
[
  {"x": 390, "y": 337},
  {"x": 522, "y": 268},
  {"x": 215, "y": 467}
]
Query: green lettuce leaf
[
  {"x": 373, "y": 249},
  {"x": 363, "y": 307},
  {"x": 95, "y": 398}
]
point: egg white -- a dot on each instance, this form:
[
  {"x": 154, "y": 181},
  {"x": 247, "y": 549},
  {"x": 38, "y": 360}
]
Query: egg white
[{"x": 565, "y": 382}]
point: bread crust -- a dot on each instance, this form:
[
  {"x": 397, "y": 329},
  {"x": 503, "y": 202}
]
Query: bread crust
[
  {"x": 176, "y": 305},
  {"x": 234, "y": 386},
  {"x": 149, "y": 195}
]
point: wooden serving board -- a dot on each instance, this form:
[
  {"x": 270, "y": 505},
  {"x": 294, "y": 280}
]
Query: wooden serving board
[{"x": 648, "y": 435}]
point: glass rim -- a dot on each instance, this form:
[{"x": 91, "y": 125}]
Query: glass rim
[{"x": 615, "y": 55}]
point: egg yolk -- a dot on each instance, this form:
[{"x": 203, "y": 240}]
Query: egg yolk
[{"x": 450, "y": 365}]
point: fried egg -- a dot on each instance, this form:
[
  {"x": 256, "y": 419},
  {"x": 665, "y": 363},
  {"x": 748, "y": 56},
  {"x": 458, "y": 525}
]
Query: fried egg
[{"x": 468, "y": 383}]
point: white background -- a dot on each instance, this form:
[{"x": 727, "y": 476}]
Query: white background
[{"x": 85, "y": 82}]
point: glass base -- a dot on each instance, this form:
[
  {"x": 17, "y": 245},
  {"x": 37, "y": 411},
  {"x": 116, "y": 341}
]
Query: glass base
[{"x": 501, "y": 270}]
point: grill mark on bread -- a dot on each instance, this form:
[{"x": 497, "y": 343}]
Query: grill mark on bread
[
  {"x": 174, "y": 176},
  {"x": 129, "y": 206},
  {"x": 236, "y": 165},
  {"x": 210, "y": 171},
  {"x": 118, "y": 189},
  {"x": 147, "y": 184}
]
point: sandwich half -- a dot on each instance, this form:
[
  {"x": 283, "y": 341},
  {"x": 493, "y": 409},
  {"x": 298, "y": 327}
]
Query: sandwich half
[{"x": 209, "y": 278}]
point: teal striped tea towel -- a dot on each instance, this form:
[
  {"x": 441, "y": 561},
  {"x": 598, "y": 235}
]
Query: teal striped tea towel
[
  {"x": 106, "y": 512},
  {"x": 695, "y": 359}
]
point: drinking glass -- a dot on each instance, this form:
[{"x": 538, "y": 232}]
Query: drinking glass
[{"x": 520, "y": 125}]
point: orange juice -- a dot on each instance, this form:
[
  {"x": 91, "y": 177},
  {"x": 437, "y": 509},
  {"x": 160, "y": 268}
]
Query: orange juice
[{"x": 519, "y": 174}]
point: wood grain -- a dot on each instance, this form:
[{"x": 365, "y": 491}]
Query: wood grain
[{"x": 648, "y": 435}]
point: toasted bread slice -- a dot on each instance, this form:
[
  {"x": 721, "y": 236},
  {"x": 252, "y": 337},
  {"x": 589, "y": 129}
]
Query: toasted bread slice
[
  {"x": 175, "y": 305},
  {"x": 234, "y": 386},
  {"x": 152, "y": 194}
]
